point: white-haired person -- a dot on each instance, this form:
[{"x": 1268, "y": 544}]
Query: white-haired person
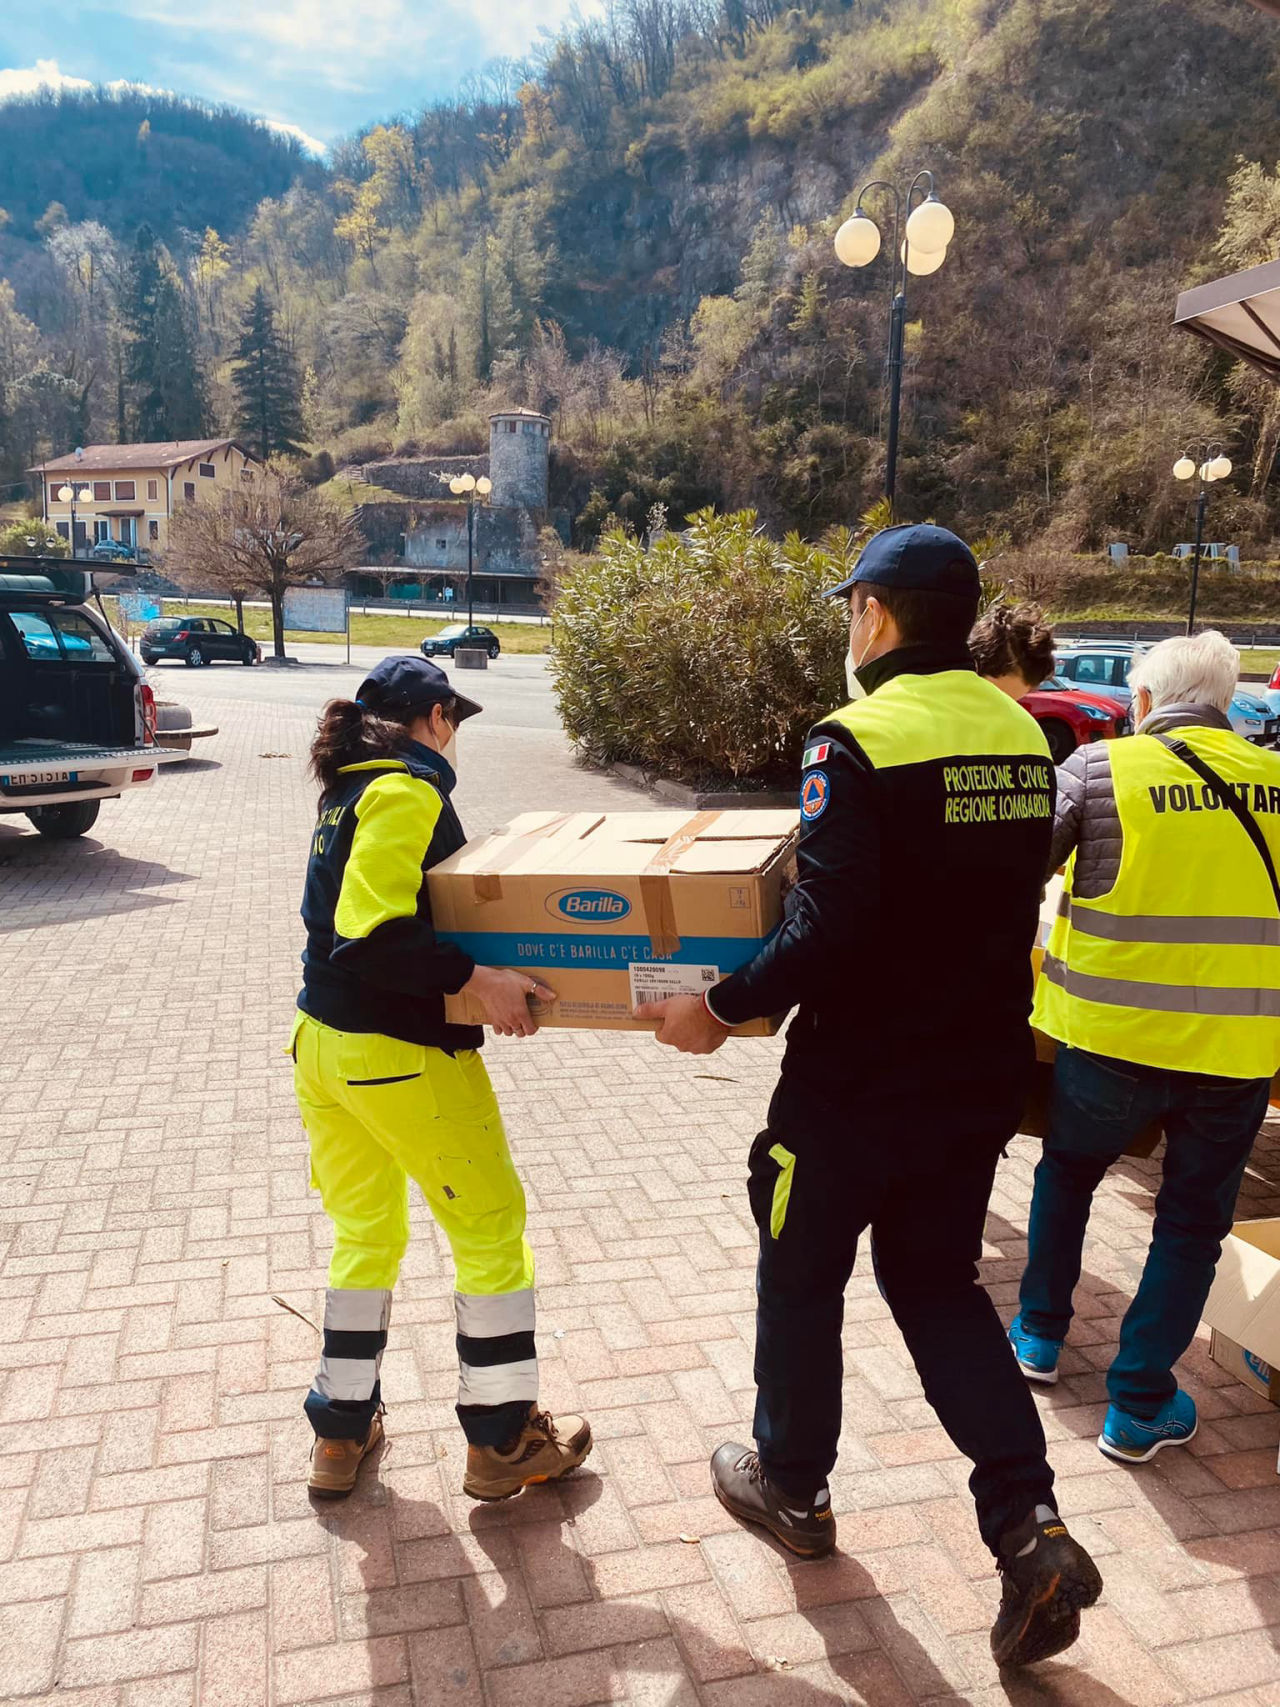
[{"x": 1161, "y": 984}]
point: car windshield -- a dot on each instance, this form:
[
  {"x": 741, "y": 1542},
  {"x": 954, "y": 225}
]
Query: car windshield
[
  {"x": 455, "y": 631},
  {"x": 1053, "y": 684},
  {"x": 166, "y": 624}
]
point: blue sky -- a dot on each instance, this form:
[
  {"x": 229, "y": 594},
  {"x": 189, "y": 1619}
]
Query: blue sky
[{"x": 324, "y": 67}]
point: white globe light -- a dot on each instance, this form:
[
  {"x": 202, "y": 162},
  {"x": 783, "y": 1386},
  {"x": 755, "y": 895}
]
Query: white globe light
[
  {"x": 456, "y": 486},
  {"x": 86, "y": 496},
  {"x": 1219, "y": 468},
  {"x": 1204, "y": 471},
  {"x": 931, "y": 226},
  {"x": 484, "y": 486},
  {"x": 1184, "y": 468},
  {"x": 857, "y": 242},
  {"x": 65, "y": 494},
  {"x": 920, "y": 263},
  {"x": 467, "y": 482}
]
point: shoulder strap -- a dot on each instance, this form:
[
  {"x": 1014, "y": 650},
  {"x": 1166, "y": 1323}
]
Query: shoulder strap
[{"x": 1230, "y": 799}]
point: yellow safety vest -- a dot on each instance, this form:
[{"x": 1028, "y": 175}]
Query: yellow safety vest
[{"x": 1178, "y": 966}]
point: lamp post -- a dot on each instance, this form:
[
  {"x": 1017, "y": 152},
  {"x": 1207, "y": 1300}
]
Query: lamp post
[
  {"x": 466, "y": 485},
  {"x": 69, "y": 495},
  {"x": 919, "y": 247},
  {"x": 1209, "y": 464}
]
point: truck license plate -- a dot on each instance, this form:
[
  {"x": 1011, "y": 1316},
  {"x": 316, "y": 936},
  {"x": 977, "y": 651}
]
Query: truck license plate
[{"x": 31, "y": 779}]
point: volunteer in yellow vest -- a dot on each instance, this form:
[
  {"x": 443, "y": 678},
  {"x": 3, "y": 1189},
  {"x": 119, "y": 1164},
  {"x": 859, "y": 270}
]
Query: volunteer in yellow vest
[
  {"x": 1161, "y": 984},
  {"x": 926, "y": 811},
  {"x": 389, "y": 1092}
]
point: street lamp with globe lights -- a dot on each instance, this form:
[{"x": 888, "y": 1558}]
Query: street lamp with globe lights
[
  {"x": 69, "y": 495},
  {"x": 918, "y": 248},
  {"x": 1207, "y": 461},
  {"x": 468, "y": 487}
]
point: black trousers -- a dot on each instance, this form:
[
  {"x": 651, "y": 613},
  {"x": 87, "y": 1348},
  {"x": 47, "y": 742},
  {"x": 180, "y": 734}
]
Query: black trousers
[{"x": 829, "y": 1166}]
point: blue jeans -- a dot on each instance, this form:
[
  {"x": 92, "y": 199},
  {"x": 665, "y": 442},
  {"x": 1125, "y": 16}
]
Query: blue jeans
[{"x": 1099, "y": 1107}]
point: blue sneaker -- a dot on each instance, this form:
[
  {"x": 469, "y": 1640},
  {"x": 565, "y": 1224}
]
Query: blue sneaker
[
  {"x": 1133, "y": 1440},
  {"x": 1037, "y": 1358}
]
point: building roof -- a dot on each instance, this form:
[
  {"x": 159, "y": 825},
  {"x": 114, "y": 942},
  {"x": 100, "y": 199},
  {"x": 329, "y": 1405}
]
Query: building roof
[
  {"x": 529, "y": 414},
  {"x": 1240, "y": 314},
  {"x": 168, "y": 454}
]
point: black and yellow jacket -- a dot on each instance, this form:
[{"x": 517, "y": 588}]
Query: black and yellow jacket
[
  {"x": 372, "y": 961},
  {"x": 926, "y": 816}
]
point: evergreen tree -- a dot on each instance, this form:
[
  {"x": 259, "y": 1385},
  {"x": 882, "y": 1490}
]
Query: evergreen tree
[
  {"x": 162, "y": 372},
  {"x": 264, "y": 376}
]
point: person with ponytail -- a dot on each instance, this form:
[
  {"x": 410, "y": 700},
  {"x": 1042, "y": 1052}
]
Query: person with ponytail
[
  {"x": 1012, "y": 646},
  {"x": 390, "y": 1091}
]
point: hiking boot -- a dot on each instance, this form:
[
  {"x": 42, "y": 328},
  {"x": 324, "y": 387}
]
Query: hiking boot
[
  {"x": 1048, "y": 1578},
  {"x": 741, "y": 1486},
  {"x": 1134, "y": 1440},
  {"x": 1037, "y": 1357},
  {"x": 335, "y": 1463},
  {"x": 545, "y": 1450}
]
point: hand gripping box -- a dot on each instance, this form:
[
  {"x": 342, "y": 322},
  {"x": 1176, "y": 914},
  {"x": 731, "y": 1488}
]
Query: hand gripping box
[{"x": 611, "y": 909}]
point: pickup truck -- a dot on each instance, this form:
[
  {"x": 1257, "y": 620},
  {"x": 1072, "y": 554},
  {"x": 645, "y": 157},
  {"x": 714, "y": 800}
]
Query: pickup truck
[{"x": 77, "y": 720}]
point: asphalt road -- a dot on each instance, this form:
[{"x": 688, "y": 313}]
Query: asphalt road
[{"x": 514, "y": 758}]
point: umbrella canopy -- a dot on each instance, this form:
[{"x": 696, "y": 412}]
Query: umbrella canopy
[{"x": 1240, "y": 314}]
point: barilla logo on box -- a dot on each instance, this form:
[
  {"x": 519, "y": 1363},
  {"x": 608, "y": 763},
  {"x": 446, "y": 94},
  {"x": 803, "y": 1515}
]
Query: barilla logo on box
[
  {"x": 1256, "y": 1365},
  {"x": 588, "y": 906}
]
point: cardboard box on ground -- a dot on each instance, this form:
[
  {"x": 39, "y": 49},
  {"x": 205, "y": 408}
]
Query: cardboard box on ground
[
  {"x": 612, "y": 909},
  {"x": 1243, "y": 1307}
]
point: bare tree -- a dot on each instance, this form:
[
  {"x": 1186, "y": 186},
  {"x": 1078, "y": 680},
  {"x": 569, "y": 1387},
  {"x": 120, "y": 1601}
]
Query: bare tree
[{"x": 270, "y": 534}]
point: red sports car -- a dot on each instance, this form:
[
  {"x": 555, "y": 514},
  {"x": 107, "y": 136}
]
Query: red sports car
[{"x": 1069, "y": 718}]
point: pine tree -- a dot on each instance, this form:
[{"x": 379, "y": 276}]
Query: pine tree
[
  {"x": 162, "y": 373},
  {"x": 265, "y": 379}
]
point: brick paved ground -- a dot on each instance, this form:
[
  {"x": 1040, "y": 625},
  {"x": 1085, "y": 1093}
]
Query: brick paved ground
[{"x": 156, "y": 1544}]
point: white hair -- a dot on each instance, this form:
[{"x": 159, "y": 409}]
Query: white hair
[{"x": 1193, "y": 669}]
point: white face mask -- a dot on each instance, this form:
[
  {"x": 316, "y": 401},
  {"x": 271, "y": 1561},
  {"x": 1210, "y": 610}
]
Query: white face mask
[
  {"x": 851, "y": 664},
  {"x": 449, "y": 751}
]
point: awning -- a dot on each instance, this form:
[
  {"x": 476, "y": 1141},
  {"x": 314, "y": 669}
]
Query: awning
[
  {"x": 119, "y": 513},
  {"x": 1240, "y": 314}
]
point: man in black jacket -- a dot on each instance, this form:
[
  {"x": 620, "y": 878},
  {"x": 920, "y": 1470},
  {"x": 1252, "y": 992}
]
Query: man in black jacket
[{"x": 926, "y": 808}]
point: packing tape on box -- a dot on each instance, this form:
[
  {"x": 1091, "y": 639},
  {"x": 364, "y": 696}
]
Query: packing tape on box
[
  {"x": 655, "y": 891},
  {"x": 487, "y": 885}
]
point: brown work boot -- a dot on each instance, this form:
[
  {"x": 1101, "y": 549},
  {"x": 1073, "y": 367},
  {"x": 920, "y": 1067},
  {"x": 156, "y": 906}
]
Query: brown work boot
[
  {"x": 544, "y": 1451},
  {"x": 335, "y": 1463}
]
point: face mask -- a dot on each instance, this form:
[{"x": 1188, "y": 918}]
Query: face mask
[
  {"x": 852, "y": 665},
  {"x": 449, "y": 752}
]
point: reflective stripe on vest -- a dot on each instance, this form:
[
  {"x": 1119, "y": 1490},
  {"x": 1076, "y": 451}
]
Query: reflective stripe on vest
[{"x": 1178, "y": 966}]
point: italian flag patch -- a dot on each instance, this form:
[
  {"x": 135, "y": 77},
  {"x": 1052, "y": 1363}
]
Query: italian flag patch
[{"x": 815, "y": 755}]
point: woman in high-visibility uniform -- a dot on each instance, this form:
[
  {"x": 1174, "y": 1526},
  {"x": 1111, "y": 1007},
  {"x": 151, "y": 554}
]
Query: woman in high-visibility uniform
[{"x": 390, "y": 1091}]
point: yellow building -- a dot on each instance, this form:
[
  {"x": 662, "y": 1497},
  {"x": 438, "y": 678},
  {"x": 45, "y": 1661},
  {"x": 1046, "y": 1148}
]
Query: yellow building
[{"x": 127, "y": 493}]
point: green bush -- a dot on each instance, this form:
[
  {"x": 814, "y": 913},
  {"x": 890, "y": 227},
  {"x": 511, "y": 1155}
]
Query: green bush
[
  {"x": 705, "y": 658},
  {"x": 48, "y": 541}
]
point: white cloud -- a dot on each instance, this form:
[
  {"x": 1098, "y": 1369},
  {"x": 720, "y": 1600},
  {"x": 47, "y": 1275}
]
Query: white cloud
[{"x": 44, "y": 74}]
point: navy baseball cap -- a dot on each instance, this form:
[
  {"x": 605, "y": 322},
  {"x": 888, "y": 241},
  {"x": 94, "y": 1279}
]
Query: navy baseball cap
[
  {"x": 917, "y": 555},
  {"x": 406, "y": 684}
]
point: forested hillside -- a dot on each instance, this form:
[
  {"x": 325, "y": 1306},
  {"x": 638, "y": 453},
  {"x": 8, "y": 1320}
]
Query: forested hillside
[{"x": 633, "y": 231}]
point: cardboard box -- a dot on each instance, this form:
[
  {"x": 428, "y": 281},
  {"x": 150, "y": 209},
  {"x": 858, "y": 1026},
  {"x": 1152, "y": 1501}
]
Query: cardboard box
[
  {"x": 611, "y": 909},
  {"x": 1243, "y": 1306},
  {"x": 1247, "y": 1367}
]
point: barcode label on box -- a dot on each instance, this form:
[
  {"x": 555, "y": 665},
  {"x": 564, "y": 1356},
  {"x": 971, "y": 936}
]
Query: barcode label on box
[{"x": 654, "y": 980}]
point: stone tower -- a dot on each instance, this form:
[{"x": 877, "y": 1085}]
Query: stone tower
[{"x": 519, "y": 445}]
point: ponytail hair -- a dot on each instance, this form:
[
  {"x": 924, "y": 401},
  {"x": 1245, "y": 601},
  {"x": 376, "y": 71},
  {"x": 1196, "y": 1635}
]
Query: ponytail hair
[
  {"x": 1009, "y": 641},
  {"x": 349, "y": 734}
]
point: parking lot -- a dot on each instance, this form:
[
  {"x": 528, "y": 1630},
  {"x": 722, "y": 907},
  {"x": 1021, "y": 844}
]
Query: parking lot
[{"x": 157, "y": 1547}]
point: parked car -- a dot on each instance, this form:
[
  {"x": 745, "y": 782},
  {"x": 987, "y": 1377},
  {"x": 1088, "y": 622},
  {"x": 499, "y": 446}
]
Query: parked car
[
  {"x": 1252, "y": 717},
  {"x": 1099, "y": 667},
  {"x": 77, "y": 721},
  {"x": 197, "y": 640},
  {"x": 113, "y": 551},
  {"x": 1070, "y": 719},
  {"x": 447, "y": 642}
]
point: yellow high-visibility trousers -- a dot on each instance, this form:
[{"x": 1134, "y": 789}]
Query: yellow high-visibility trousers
[{"x": 378, "y": 1113}]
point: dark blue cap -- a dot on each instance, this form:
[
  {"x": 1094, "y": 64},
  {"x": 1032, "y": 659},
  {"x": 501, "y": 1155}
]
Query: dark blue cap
[
  {"x": 402, "y": 684},
  {"x": 918, "y": 555}
]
